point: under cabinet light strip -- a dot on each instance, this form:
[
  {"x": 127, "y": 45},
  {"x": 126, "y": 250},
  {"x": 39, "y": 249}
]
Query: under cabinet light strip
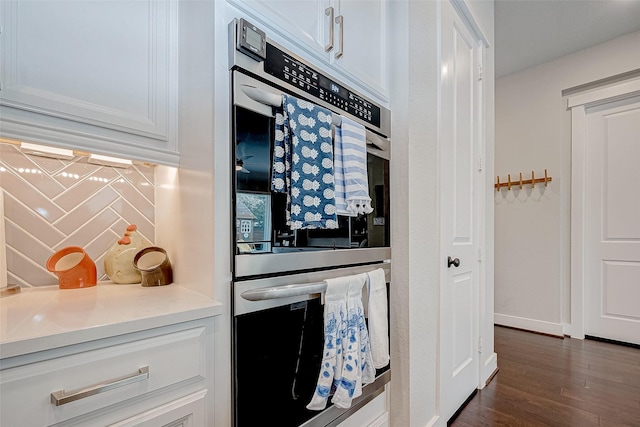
[
  {"x": 46, "y": 151},
  {"x": 66, "y": 154},
  {"x": 98, "y": 159}
]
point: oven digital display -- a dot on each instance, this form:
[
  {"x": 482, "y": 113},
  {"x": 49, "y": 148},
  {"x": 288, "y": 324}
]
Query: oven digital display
[
  {"x": 253, "y": 38},
  {"x": 290, "y": 70},
  {"x": 333, "y": 88}
]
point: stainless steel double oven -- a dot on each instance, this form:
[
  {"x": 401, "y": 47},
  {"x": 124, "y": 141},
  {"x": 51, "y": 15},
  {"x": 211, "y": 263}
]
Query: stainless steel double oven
[{"x": 278, "y": 273}]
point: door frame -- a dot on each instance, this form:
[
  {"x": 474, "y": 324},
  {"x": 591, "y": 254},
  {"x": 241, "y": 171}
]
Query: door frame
[{"x": 578, "y": 105}]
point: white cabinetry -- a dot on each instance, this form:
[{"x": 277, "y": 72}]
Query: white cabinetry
[
  {"x": 348, "y": 35},
  {"x": 363, "y": 42},
  {"x": 156, "y": 377},
  {"x": 98, "y": 76}
]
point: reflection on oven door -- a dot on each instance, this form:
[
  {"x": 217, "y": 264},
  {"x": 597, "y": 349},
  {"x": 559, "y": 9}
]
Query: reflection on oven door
[{"x": 278, "y": 356}]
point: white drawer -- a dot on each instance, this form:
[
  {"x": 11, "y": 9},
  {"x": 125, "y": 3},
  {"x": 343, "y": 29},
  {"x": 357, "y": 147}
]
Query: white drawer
[
  {"x": 27, "y": 390},
  {"x": 373, "y": 414}
]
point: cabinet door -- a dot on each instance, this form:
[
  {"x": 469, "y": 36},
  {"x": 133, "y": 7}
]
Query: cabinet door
[
  {"x": 84, "y": 69},
  {"x": 302, "y": 22},
  {"x": 363, "y": 42}
]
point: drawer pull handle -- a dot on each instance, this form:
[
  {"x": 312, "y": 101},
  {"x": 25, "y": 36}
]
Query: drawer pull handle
[
  {"x": 61, "y": 397},
  {"x": 340, "y": 21},
  {"x": 329, "y": 12}
]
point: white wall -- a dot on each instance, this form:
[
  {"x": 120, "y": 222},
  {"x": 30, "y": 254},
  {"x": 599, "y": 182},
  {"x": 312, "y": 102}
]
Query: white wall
[
  {"x": 415, "y": 240},
  {"x": 222, "y": 215},
  {"x": 195, "y": 229},
  {"x": 415, "y": 295},
  {"x": 533, "y": 132}
]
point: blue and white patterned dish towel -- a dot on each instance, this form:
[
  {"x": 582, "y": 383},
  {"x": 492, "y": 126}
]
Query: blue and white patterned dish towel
[
  {"x": 335, "y": 323},
  {"x": 357, "y": 361},
  {"x": 303, "y": 164},
  {"x": 352, "y": 181},
  {"x": 347, "y": 362}
]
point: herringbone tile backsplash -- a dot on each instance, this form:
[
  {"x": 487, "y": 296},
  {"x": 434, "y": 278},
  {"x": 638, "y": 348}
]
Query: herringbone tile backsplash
[{"x": 50, "y": 204}]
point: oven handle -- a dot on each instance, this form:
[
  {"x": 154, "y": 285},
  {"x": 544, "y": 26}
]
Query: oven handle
[
  {"x": 380, "y": 144},
  {"x": 287, "y": 291},
  {"x": 275, "y": 100}
]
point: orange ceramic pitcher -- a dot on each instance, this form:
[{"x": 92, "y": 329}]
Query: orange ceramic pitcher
[{"x": 74, "y": 268}]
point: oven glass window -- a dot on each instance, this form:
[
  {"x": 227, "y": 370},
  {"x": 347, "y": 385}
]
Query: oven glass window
[
  {"x": 252, "y": 194},
  {"x": 260, "y": 219},
  {"x": 278, "y": 356},
  {"x": 253, "y": 222}
]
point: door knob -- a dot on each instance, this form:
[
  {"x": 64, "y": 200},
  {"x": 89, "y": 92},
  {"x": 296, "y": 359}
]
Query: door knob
[{"x": 455, "y": 262}]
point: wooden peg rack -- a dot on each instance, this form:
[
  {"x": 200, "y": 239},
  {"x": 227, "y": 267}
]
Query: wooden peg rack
[{"x": 520, "y": 182}]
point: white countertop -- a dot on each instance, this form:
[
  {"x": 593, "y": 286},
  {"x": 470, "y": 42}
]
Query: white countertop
[{"x": 42, "y": 318}]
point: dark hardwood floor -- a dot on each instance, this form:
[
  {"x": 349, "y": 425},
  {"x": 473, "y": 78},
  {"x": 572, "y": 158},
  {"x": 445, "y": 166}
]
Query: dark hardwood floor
[{"x": 548, "y": 381}]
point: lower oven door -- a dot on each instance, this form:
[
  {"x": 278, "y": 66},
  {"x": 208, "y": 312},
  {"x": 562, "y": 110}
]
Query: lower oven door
[{"x": 278, "y": 343}]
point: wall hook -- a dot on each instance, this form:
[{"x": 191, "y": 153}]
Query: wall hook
[{"x": 533, "y": 181}]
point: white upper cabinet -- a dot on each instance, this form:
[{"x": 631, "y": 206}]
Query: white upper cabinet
[
  {"x": 347, "y": 35},
  {"x": 363, "y": 42},
  {"x": 99, "y": 76}
]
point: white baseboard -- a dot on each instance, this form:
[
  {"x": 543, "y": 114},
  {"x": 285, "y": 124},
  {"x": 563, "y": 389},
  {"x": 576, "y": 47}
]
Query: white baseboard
[{"x": 529, "y": 324}]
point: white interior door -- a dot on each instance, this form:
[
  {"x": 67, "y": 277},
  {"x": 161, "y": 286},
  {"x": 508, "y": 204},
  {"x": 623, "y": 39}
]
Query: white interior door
[
  {"x": 460, "y": 180},
  {"x": 612, "y": 221}
]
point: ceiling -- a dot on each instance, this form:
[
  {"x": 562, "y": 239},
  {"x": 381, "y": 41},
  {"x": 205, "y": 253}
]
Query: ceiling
[{"x": 531, "y": 32}]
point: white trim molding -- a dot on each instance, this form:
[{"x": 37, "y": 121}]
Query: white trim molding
[
  {"x": 604, "y": 95},
  {"x": 578, "y": 105},
  {"x": 529, "y": 324},
  {"x": 466, "y": 14},
  {"x": 578, "y": 121}
]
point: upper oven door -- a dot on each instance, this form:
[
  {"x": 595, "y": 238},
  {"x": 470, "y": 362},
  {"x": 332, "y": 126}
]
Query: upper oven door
[{"x": 260, "y": 226}]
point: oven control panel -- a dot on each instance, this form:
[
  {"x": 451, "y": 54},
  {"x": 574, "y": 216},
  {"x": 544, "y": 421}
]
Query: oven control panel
[{"x": 290, "y": 70}]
